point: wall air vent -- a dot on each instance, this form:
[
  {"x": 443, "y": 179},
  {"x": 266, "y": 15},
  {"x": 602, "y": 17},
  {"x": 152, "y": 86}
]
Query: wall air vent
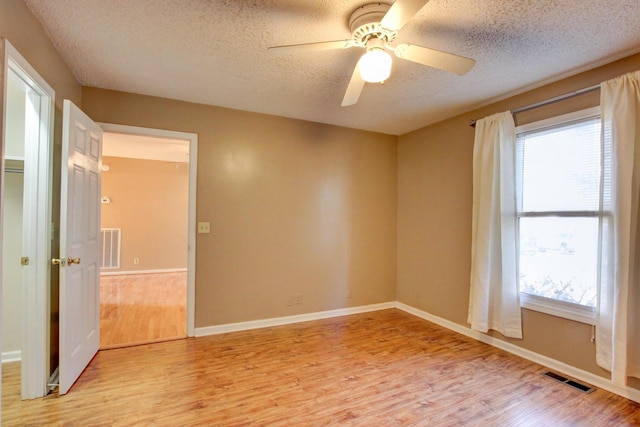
[{"x": 110, "y": 248}]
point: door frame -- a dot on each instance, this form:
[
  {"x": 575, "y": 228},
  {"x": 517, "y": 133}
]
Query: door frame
[
  {"x": 192, "y": 138},
  {"x": 37, "y": 224}
]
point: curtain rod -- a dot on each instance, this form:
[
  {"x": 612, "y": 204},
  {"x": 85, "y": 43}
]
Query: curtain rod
[{"x": 578, "y": 92}]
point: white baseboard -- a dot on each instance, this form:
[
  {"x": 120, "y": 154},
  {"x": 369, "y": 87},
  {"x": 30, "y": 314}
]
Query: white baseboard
[
  {"x": 11, "y": 356},
  {"x": 579, "y": 374},
  {"x": 278, "y": 321},
  {"x": 166, "y": 270}
]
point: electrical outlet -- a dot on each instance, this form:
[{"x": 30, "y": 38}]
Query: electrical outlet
[
  {"x": 136, "y": 261},
  {"x": 204, "y": 227},
  {"x": 298, "y": 299}
]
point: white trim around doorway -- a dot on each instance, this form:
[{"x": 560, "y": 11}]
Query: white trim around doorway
[
  {"x": 38, "y": 160},
  {"x": 193, "y": 156}
]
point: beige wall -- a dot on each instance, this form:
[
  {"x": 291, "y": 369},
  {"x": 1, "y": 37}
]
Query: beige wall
[
  {"x": 150, "y": 203},
  {"x": 434, "y": 218},
  {"x": 296, "y": 208}
]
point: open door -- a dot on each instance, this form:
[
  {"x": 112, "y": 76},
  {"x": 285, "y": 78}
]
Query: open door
[{"x": 79, "y": 244}]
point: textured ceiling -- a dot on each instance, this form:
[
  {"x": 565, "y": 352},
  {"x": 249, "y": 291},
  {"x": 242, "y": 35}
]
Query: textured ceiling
[{"x": 215, "y": 52}]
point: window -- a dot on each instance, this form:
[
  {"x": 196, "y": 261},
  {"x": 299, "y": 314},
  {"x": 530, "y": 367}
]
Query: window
[{"x": 558, "y": 181}]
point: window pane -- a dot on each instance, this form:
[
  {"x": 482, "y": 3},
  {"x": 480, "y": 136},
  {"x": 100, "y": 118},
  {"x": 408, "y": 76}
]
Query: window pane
[
  {"x": 559, "y": 258},
  {"x": 561, "y": 168}
]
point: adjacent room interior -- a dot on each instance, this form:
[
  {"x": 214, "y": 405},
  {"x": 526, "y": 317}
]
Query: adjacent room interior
[
  {"x": 143, "y": 276},
  {"x": 332, "y": 243}
]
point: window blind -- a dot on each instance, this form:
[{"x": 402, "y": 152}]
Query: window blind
[{"x": 558, "y": 168}]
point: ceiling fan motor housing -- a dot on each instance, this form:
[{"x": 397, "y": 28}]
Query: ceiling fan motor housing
[{"x": 364, "y": 24}]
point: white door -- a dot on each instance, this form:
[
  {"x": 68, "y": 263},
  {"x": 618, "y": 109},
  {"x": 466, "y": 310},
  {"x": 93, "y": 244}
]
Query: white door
[{"x": 79, "y": 244}]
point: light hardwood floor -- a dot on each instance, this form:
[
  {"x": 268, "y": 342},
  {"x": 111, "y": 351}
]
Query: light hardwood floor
[
  {"x": 385, "y": 368},
  {"x": 142, "y": 308}
]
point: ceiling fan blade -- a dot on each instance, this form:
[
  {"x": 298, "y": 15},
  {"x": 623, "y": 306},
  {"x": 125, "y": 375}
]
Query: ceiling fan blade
[
  {"x": 311, "y": 47},
  {"x": 434, "y": 58},
  {"x": 356, "y": 84},
  {"x": 400, "y": 13}
]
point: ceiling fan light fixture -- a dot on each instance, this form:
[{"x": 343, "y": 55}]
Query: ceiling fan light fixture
[{"x": 375, "y": 65}]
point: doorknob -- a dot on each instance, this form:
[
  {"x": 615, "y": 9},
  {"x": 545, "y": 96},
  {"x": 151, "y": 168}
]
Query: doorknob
[
  {"x": 73, "y": 261},
  {"x": 58, "y": 261}
]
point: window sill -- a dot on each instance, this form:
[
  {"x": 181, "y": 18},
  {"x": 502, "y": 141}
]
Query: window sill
[{"x": 567, "y": 310}]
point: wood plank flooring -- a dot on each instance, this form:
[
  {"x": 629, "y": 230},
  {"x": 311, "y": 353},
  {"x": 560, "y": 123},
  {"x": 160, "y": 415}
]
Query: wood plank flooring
[
  {"x": 142, "y": 308},
  {"x": 385, "y": 368}
]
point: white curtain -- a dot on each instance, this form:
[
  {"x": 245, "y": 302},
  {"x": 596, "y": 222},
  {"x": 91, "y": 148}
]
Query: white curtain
[
  {"x": 494, "y": 301},
  {"x": 618, "y": 319}
]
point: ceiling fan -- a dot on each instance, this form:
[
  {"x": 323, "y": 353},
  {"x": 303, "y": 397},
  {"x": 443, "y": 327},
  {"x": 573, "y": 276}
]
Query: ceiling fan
[{"x": 373, "y": 27}]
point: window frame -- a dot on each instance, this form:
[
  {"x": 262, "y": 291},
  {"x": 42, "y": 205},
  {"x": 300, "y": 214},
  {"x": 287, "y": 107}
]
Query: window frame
[{"x": 577, "y": 312}]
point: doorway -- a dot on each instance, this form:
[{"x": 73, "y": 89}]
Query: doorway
[
  {"x": 27, "y": 160},
  {"x": 12, "y": 213},
  {"x": 38, "y": 366},
  {"x": 145, "y": 278}
]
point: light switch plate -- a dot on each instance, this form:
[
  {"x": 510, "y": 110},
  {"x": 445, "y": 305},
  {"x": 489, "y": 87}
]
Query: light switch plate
[{"x": 204, "y": 227}]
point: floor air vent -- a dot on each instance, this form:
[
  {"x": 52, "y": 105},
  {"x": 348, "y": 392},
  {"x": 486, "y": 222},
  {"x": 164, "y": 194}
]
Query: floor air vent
[{"x": 583, "y": 388}]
